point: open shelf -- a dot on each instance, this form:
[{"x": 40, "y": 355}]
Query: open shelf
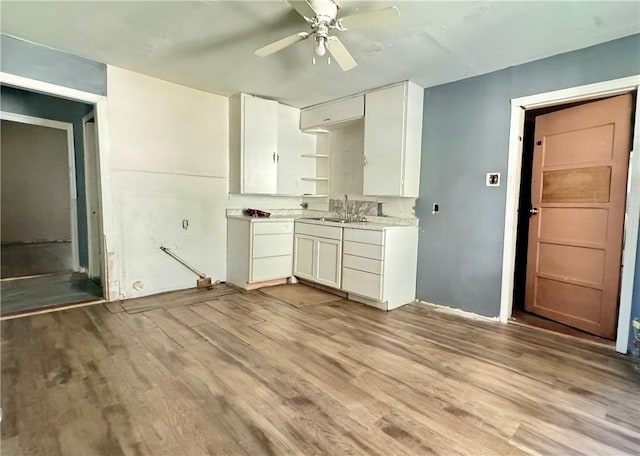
[{"x": 314, "y": 156}]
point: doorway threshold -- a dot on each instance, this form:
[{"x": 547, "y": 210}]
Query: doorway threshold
[
  {"x": 46, "y": 292},
  {"x": 54, "y": 308},
  {"x": 522, "y": 318}
]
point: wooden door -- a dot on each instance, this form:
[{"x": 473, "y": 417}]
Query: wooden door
[
  {"x": 578, "y": 188},
  {"x": 328, "y": 262},
  {"x": 384, "y": 128},
  {"x": 260, "y": 146}
]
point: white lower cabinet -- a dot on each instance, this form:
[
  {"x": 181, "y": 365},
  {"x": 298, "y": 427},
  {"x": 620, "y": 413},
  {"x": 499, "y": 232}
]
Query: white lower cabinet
[
  {"x": 303, "y": 262},
  {"x": 376, "y": 267},
  {"x": 379, "y": 267},
  {"x": 328, "y": 262},
  {"x": 258, "y": 251},
  {"x": 318, "y": 253},
  {"x": 362, "y": 283}
]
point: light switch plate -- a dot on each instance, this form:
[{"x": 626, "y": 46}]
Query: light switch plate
[{"x": 493, "y": 180}]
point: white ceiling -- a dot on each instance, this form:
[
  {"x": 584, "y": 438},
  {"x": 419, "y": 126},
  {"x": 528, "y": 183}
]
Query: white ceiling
[{"x": 209, "y": 45}]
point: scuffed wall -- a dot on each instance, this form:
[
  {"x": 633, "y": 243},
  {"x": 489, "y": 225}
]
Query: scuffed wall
[{"x": 169, "y": 163}]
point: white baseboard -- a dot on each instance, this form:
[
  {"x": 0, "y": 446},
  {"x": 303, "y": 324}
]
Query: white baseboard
[{"x": 459, "y": 312}]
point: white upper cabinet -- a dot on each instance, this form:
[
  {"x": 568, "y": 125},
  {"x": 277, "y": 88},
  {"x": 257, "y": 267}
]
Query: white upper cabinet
[
  {"x": 334, "y": 112},
  {"x": 253, "y": 145},
  {"x": 292, "y": 146},
  {"x": 393, "y": 141},
  {"x": 265, "y": 147}
]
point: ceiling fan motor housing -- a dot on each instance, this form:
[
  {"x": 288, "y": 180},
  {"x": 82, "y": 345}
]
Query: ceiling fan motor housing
[{"x": 326, "y": 10}]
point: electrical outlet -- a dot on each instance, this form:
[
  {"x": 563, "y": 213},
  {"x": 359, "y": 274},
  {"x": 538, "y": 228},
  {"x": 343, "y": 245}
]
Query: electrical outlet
[
  {"x": 493, "y": 180},
  {"x": 185, "y": 224}
]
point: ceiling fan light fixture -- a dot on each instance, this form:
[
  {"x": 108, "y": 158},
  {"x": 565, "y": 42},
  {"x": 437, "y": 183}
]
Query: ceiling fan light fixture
[
  {"x": 322, "y": 18},
  {"x": 321, "y": 46}
]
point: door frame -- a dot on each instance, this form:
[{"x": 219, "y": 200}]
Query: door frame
[
  {"x": 514, "y": 170},
  {"x": 71, "y": 158},
  {"x": 93, "y": 268},
  {"x": 104, "y": 159}
]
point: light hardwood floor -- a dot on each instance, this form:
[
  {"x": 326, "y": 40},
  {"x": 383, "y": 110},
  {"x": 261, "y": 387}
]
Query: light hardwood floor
[{"x": 247, "y": 374}]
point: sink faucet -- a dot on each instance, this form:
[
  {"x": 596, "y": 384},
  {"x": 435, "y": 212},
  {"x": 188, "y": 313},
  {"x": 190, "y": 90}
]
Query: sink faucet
[{"x": 346, "y": 207}]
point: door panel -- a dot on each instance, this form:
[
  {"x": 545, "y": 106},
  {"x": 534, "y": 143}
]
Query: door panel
[
  {"x": 271, "y": 268},
  {"x": 304, "y": 256},
  {"x": 579, "y": 182},
  {"x": 260, "y": 135},
  {"x": 574, "y": 224},
  {"x": 578, "y": 185},
  {"x": 92, "y": 191},
  {"x": 362, "y": 283},
  {"x": 269, "y": 245},
  {"x": 570, "y": 263},
  {"x": 292, "y": 144},
  {"x": 328, "y": 262},
  {"x": 580, "y": 146},
  {"x": 384, "y": 121},
  {"x": 334, "y": 112},
  {"x": 561, "y": 297}
]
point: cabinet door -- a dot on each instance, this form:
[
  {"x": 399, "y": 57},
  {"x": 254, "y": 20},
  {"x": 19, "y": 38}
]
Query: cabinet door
[
  {"x": 303, "y": 256},
  {"x": 384, "y": 141},
  {"x": 260, "y": 145},
  {"x": 332, "y": 112},
  {"x": 270, "y": 268},
  {"x": 292, "y": 144},
  {"x": 328, "y": 262}
]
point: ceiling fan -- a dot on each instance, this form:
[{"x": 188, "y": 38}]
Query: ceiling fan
[{"x": 322, "y": 16}]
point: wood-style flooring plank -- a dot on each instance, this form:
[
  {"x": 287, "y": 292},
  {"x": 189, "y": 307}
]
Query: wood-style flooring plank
[{"x": 243, "y": 373}]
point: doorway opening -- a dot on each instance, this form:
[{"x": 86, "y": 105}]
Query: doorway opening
[
  {"x": 48, "y": 189},
  {"x": 574, "y": 179}
]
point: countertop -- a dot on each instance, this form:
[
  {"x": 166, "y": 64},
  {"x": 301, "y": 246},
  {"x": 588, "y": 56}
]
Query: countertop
[
  {"x": 374, "y": 225},
  {"x": 273, "y": 218}
]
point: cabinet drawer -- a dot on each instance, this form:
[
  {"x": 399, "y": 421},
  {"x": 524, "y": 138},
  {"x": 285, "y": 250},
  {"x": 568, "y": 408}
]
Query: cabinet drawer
[
  {"x": 362, "y": 283},
  {"x": 271, "y": 268},
  {"x": 272, "y": 227},
  {"x": 366, "y": 236},
  {"x": 330, "y": 232},
  {"x": 268, "y": 245},
  {"x": 331, "y": 113},
  {"x": 362, "y": 264},
  {"x": 363, "y": 250}
]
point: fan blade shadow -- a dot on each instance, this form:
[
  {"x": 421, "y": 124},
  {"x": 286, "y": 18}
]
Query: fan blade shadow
[{"x": 255, "y": 35}]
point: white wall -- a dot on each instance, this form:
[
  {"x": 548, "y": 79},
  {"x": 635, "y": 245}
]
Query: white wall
[
  {"x": 35, "y": 183},
  {"x": 346, "y": 160},
  {"x": 169, "y": 162}
]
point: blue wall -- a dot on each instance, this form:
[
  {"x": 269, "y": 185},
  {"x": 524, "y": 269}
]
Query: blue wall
[
  {"x": 465, "y": 135},
  {"x": 49, "y": 65},
  {"x": 47, "y": 107},
  {"x": 33, "y": 61}
]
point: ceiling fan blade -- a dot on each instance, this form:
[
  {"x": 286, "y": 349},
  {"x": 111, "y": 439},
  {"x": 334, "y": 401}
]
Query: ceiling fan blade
[
  {"x": 303, "y": 8},
  {"x": 385, "y": 16},
  {"x": 281, "y": 44},
  {"x": 341, "y": 55}
]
